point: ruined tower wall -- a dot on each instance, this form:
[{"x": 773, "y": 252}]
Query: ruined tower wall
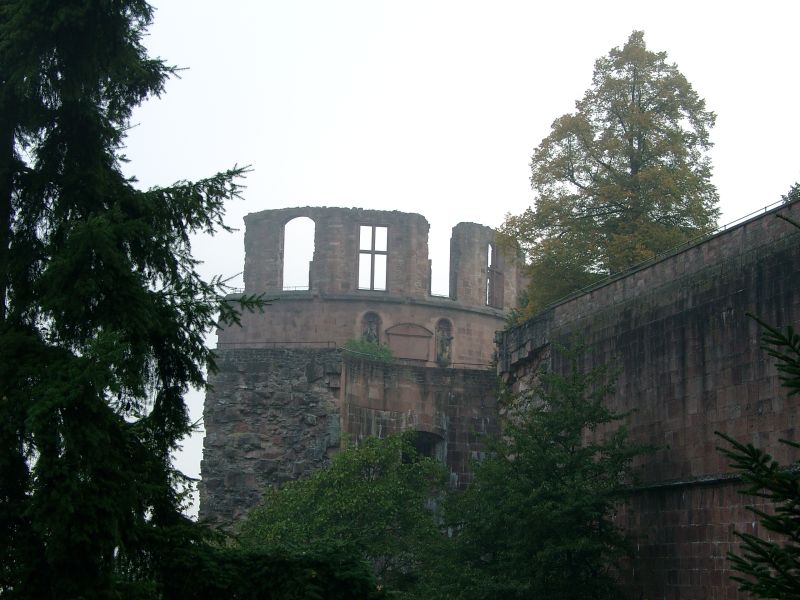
[
  {"x": 334, "y": 269},
  {"x": 271, "y": 415},
  {"x": 472, "y": 246},
  {"x": 336, "y": 309},
  {"x": 299, "y": 320},
  {"x": 276, "y": 401},
  {"x": 458, "y": 407},
  {"x": 690, "y": 365}
]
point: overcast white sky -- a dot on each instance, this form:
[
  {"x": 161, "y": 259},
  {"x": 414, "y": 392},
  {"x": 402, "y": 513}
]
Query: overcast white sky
[{"x": 435, "y": 106}]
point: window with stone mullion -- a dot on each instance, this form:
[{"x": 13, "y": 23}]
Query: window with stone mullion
[{"x": 372, "y": 257}]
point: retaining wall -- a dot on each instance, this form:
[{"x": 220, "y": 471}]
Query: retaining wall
[{"x": 691, "y": 364}]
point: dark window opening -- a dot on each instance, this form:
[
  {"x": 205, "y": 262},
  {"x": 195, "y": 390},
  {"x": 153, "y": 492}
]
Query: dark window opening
[
  {"x": 429, "y": 445},
  {"x": 494, "y": 279}
]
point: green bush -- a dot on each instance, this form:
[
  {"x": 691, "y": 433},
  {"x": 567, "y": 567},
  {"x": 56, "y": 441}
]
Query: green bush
[
  {"x": 369, "y": 350},
  {"x": 371, "y": 503}
]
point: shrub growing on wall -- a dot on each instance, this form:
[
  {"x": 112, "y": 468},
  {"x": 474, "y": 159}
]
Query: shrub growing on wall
[{"x": 369, "y": 350}]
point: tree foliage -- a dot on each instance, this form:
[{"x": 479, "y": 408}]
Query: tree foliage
[
  {"x": 102, "y": 310},
  {"x": 372, "y": 501},
  {"x": 537, "y": 519},
  {"x": 622, "y": 178},
  {"x": 793, "y": 194},
  {"x": 536, "y": 522},
  {"x": 217, "y": 572},
  {"x": 770, "y": 568}
]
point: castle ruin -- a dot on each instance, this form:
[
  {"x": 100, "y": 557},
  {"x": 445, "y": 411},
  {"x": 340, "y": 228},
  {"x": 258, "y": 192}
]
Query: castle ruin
[
  {"x": 286, "y": 391},
  {"x": 690, "y": 358}
]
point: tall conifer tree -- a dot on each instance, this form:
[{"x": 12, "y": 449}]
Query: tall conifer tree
[
  {"x": 102, "y": 311},
  {"x": 537, "y": 520}
]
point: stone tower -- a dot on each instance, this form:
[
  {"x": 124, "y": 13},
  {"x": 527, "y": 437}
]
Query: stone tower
[{"x": 285, "y": 390}]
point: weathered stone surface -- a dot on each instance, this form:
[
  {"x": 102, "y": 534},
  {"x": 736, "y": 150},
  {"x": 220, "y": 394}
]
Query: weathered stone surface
[
  {"x": 274, "y": 413},
  {"x": 690, "y": 365},
  {"x": 333, "y": 309},
  {"x": 265, "y": 424},
  {"x": 457, "y": 407}
]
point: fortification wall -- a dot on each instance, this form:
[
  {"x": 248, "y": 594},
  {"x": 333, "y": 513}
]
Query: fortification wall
[
  {"x": 297, "y": 319},
  {"x": 271, "y": 415},
  {"x": 276, "y": 414},
  {"x": 690, "y": 365},
  {"x": 457, "y": 408}
]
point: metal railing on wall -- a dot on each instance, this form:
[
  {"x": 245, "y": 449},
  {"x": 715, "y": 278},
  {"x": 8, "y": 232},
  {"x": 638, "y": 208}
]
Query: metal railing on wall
[
  {"x": 290, "y": 288},
  {"x": 466, "y": 365},
  {"x": 278, "y": 344},
  {"x": 666, "y": 253}
]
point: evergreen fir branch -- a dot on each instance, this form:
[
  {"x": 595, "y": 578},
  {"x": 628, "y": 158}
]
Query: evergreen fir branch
[{"x": 784, "y": 346}]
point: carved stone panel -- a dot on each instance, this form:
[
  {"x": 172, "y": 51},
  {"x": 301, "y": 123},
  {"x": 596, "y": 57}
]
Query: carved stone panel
[{"x": 409, "y": 341}]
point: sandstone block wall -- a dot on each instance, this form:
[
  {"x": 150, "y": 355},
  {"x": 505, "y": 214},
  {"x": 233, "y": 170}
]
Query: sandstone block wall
[
  {"x": 691, "y": 365},
  {"x": 297, "y": 319},
  {"x": 274, "y": 411},
  {"x": 333, "y": 310},
  {"x": 457, "y": 407},
  {"x": 683, "y": 535}
]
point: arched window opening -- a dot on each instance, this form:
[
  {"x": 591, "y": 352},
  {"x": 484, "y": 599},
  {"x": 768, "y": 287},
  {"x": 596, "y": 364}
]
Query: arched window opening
[
  {"x": 430, "y": 445},
  {"x": 371, "y": 327},
  {"x": 298, "y": 252},
  {"x": 444, "y": 343}
]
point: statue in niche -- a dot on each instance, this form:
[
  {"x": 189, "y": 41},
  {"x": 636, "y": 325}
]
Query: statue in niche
[
  {"x": 370, "y": 328},
  {"x": 444, "y": 343}
]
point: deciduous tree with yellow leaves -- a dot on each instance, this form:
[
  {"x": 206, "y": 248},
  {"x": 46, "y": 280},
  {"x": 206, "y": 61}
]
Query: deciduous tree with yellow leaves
[{"x": 624, "y": 177}]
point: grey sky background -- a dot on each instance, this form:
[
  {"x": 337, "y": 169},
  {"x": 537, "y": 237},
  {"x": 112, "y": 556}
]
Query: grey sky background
[{"x": 436, "y": 106}]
